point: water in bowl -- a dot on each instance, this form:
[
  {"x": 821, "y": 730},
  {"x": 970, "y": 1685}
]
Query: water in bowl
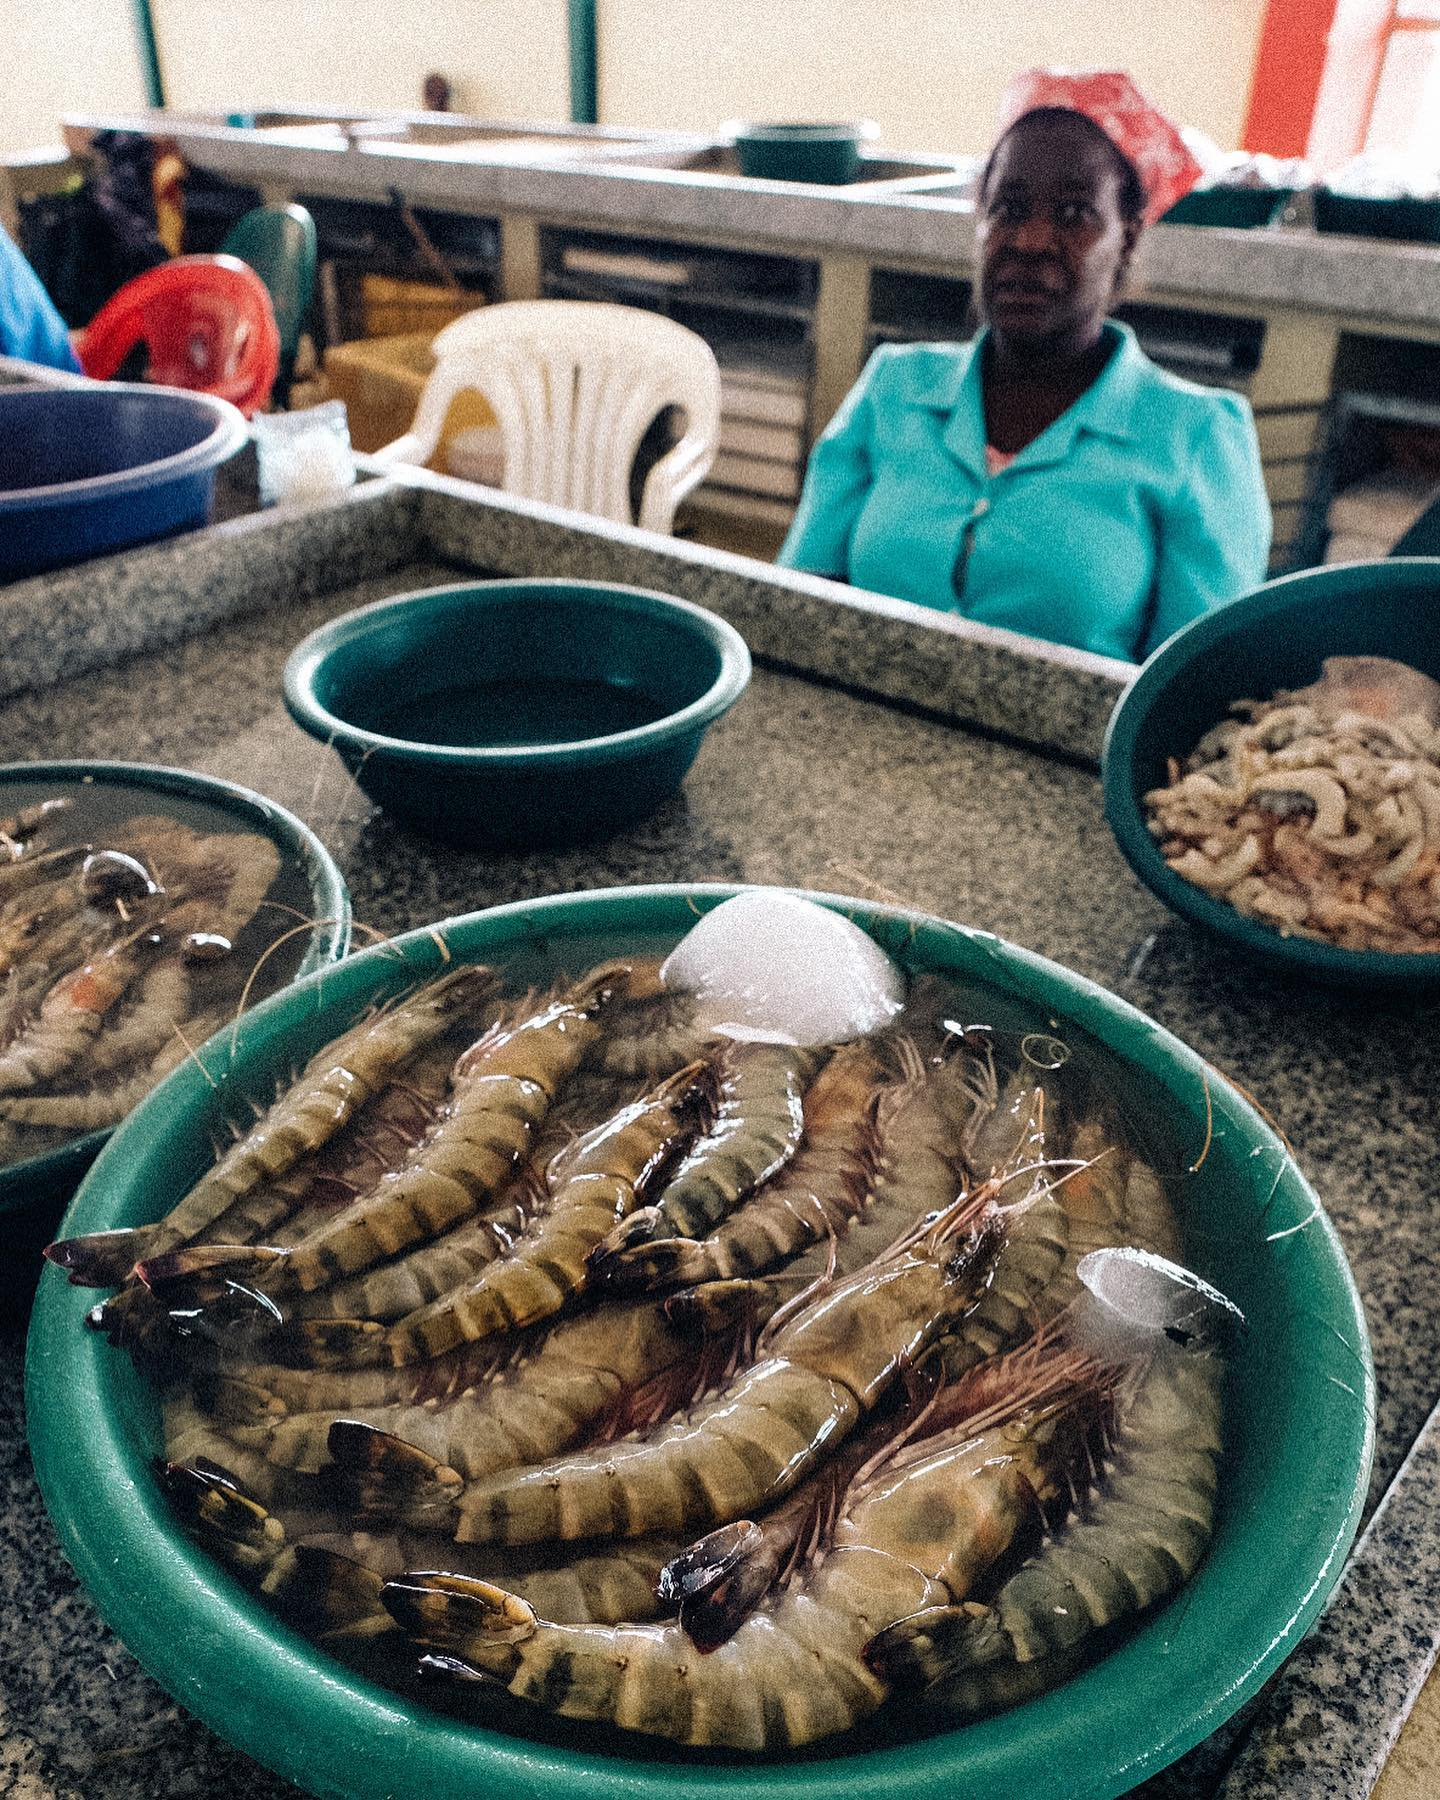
[
  {"x": 48, "y": 930},
  {"x": 492, "y": 715}
]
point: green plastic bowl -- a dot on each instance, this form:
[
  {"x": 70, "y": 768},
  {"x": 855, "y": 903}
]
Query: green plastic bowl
[
  {"x": 34, "y": 1193},
  {"x": 828, "y": 154},
  {"x": 1276, "y": 637},
  {"x": 533, "y": 712},
  {"x": 1241, "y": 209},
  {"x": 1299, "y": 1432}
]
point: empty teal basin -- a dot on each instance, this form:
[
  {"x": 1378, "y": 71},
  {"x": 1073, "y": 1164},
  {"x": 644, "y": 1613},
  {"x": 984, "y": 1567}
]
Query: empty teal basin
[{"x": 511, "y": 713}]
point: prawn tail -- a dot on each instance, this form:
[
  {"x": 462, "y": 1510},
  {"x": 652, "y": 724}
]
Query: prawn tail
[
  {"x": 714, "y": 1307},
  {"x": 212, "y": 1504},
  {"x": 331, "y": 1344},
  {"x": 921, "y": 1649},
  {"x": 101, "y": 1258},
  {"x": 717, "y": 1583},
  {"x": 333, "y": 1595},
  {"x": 708, "y": 1560},
  {"x": 383, "y": 1477},
  {"x": 207, "y": 1267},
  {"x": 232, "y": 1401},
  {"x": 449, "y": 1613},
  {"x": 612, "y": 1263},
  {"x": 452, "y": 1668},
  {"x": 640, "y": 1264}
]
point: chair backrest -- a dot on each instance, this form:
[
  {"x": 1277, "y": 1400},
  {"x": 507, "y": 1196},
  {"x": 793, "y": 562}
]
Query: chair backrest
[
  {"x": 574, "y": 385},
  {"x": 279, "y": 244},
  {"x": 207, "y": 324}
]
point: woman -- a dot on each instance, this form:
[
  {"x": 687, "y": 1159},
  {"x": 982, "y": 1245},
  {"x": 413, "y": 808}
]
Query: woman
[{"x": 1048, "y": 477}]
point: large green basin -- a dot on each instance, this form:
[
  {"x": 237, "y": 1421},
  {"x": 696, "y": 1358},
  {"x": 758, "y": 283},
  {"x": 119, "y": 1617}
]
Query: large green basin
[{"x": 1298, "y": 1452}]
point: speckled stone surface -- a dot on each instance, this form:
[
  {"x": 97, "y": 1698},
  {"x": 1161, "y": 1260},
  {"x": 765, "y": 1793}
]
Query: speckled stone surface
[
  {"x": 1043, "y": 694},
  {"x": 1347, "y": 1689},
  {"x": 1297, "y": 267},
  {"x": 808, "y": 785}
]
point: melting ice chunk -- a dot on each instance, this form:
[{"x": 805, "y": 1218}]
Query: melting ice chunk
[
  {"x": 1148, "y": 1294},
  {"x": 771, "y": 967}
]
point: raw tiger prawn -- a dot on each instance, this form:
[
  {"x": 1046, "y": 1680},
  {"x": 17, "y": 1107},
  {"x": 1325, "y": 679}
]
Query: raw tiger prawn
[
  {"x": 819, "y": 1373},
  {"x": 596, "y": 1181},
  {"x": 330, "y": 1579},
  {"x": 1135, "y": 1539},
  {"x": 333, "y": 1084},
  {"x": 917, "y": 1528}
]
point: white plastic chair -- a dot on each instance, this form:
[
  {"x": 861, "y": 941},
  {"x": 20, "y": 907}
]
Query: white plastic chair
[{"x": 574, "y": 385}]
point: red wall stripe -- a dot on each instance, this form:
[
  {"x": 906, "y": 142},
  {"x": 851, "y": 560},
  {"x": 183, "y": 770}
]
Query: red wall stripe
[{"x": 1288, "y": 66}]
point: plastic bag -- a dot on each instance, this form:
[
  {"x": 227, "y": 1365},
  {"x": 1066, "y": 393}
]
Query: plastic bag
[{"x": 303, "y": 455}]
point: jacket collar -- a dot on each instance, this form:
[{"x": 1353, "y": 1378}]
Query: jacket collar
[{"x": 1107, "y": 407}]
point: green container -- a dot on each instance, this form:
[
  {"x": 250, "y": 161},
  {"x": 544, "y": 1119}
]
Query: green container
[
  {"x": 827, "y": 154},
  {"x": 501, "y": 660},
  {"x": 1299, "y": 1428},
  {"x": 1405, "y": 217},
  {"x": 1242, "y": 209},
  {"x": 1276, "y": 637},
  {"x": 34, "y": 1193}
]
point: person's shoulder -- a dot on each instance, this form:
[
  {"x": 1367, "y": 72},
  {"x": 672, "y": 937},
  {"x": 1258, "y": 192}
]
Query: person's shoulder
[
  {"x": 1191, "y": 403},
  {"x": 918, "y": 371}
]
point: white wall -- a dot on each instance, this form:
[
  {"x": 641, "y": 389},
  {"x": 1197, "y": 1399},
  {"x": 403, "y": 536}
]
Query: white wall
[
  {"x": 64, "y": 56},
  {"x": 507, "y": 59},
  {"x": 931, "y": 72}
]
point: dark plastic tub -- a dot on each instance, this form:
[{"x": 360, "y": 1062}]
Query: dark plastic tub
[
  {"x": 1406, "y": 217},
  {"x": 1241, "y": 209},
  {"x": 828, "y": 154},
  {"x": 86, "y": 470}
]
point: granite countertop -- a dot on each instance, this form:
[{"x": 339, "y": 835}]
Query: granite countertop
[
  {"x": 924, "y": 220},
  {"x": 882, "y": 795}
]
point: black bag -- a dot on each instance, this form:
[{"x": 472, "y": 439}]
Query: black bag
[{"x": 86, "y": 243}]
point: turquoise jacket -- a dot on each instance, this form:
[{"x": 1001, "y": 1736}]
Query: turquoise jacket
[{"x": 1140, "y": 508}]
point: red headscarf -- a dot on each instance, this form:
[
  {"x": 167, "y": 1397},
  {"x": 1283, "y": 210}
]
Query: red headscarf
[{"x": 1111, "y": 100}]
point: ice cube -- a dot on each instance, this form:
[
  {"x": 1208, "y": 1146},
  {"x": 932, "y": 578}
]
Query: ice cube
[
  {"x": 1149, "y": 1295},
  {"x": 769, "y": 966}
]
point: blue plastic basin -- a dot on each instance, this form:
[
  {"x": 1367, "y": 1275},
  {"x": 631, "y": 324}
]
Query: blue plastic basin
[{"x": 86, "y": 470}]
